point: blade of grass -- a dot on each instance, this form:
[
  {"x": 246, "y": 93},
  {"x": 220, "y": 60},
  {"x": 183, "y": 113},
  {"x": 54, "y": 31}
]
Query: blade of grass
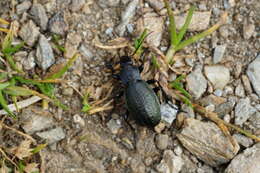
[
  {"x": 12, "y": 49},
  {"x": 4, "y": 85},
  {"x": 139, "y": 42},
  {"x": 172, "y": 26},
  {"x": 4, "y": 30},
  {"x": 4, "y": 21},
  {"x": 155, "y": 62},
  {"x": 178, "y": 86},
  {"x": 185, "y": 25},
  {"x": 5, "y": 107},
  {"x": 56, "y": 39},
  {"x": 38, "y": 148},
  {"x": 12, "y": 64}
]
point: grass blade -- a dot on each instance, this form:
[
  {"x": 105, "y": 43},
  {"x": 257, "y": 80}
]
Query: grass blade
[
  {"x": 172, "y": 26},
  {"x": 5, "y": 107},
  {"x": 4, "y": 85},
  {"x": 12, "y": 64},
  {"x": 139, "y": 42},
  {"x": 185, "y": 25}
]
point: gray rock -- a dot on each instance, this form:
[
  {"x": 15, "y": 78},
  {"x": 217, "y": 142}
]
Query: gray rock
[
  {"x": 39, "y": 16},
  {"x": 32, "y": 120},
  {"x": 225, "y": 108},
  {"x": 243, "y": 111},
  {"x": 219, "y": 53},
  {"x": 52, "y": 136},
  {"x": 248, "y": 30},
  {"x": 243, "y": 140},
  {"x": 67, "y": 91},
  {"x": 155, "y": 25},
  {"x": 79, "y": 120},
  {"x": 108, "y": 3},
  {"x": 218, "y": 75},
  {"x": 248, "y": 161},
  {"x": 76, "y": 5},
  {"x": 239, "y": 91},
  {"x": 162, "y": 141},
  {"x": 157, "y": 5},
  {"x": 205, "y": 169},
  {"x": 72, "y": 42},
  {"x": 29, "y": 33},
  {"x": 168, "y": 113},
  {"x": 247, "y": 84},
  {"x": 114, "y": 125},
  {"x": 255, "y": 120},
  {"x": 207, "y": 142},
  {"x": 218, "y": 92},
  {"x": 29, "y": 62},
  {"x": 229, "y": 3},
  {"x": 126, "y": 16},
  {"x": 196, "y": 83},
  {"x": 224, "y": 31},
  {"x": 199, "y": 21},
  {"x": 23, "y": 7},
  {"x": 170, "y": 163},
  {"x": 58, "y": 24},
  {"x": 145, "y": 145},
  {"x": 44, "y": 54},
  {"x": 253, "y": 73},
  {"x": 86, "y": 52}
]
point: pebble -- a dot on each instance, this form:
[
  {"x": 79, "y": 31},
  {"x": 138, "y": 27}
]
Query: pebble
[
  {"x": 178, "y": 150},
  {"x": 170, "y": 163},
  {"x": 145, "y": 145},
  {"x": 114, "y": 125},
  {"x": 255, "y": 120},
  {"x": 29, "y": 61},
  {"x": 86, "y": 52},
  {"x": 155, "y": 25},
  {"x": 243, "y": 140},
  {"x": 253, "y": 73},
  {"x": 108, "y": 3},
  {"x": 137, "y": 165},
  {"x": 126, "y": 16},
  {"x": 218, "y": 92},
  {"x": 79, "y": 120},
  {"x": 247, "y": 84},
  {"x": 206, "y": 141},
  {"x": 168, "y": 113},
  {"x": 219, "y": 53},
  {"x": 218, "y": 75},
  {"x": 225, "y": 108},
  {"x": 224, "y": 31},
  {"x": 29, "y": 33},
  {"x": 72, "y": 42},
  {"x": 44, "y": 54},
  {"x": 52, "y": 136},
  {"x": 39, "y": 16},
  {"x": 157, "y": 5},
  {"x": 23, "y": 7},
  {"x": 239, "y": 91},
  {"x": 162, "y": 141},
  {"x": 196, "y": 83},
  {"x": 243, "y": 111},
  {"x": 67, "y": 91},
  {"x": 33, "y": 121},
  {"x": 248, "y": 30},
  {"x": 58, "y": 24},
  {"x": 199, "y": 21},
  {"x": 109, "y": 31},
  {"x": 77, "y": 5},
  {"x": 205, "y": 169},
  {"x": 248, "y": 161}
]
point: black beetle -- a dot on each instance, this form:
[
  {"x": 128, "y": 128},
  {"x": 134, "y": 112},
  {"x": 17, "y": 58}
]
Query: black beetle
[{"x": 142, "y": 102}]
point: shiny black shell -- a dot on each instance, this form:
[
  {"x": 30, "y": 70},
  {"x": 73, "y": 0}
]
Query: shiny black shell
[{"x": 142, "y": 103}]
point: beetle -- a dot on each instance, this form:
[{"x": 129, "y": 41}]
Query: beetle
[{"x": 141, "y": 101}]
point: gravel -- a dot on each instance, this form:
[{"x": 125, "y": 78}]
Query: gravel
[
  {"x": 39, "y": 16},
  {"x": 243, "y": 111},
  {"x": 29, "y": 33},
  {"x": 23, "y": 7},
  {"x": 58, "y": 24},
  {"x": 162, "y": 141},
  {"x": 168, "y": 113},
  {"x": 52, "y": 136},
  {"x": 219, "y": 53},
  {"x": 253, "y": 73}
]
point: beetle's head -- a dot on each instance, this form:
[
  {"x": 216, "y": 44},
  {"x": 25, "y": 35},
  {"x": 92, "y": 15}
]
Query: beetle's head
[{"x": 128, "y": 71}]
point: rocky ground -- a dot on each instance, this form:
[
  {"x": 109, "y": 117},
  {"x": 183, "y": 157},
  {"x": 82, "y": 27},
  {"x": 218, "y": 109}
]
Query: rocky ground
[{"x": 223, "y": 74}]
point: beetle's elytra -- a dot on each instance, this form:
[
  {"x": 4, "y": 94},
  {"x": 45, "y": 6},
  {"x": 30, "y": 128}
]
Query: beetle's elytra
[{"x": 142, "y": 103}]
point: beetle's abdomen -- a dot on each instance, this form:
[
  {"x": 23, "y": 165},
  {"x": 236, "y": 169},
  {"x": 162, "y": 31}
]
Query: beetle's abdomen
[{"x": 142, "y": 103}]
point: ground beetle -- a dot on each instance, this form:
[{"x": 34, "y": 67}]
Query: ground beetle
[{"x": 142, "y": 102}]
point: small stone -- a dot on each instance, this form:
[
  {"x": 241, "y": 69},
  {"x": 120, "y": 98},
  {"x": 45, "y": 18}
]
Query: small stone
[
  {"x": 162, "y": 141},
  {"x": 72, "y": 42},
  {"x": 178, "y": 150},
  {"x": 58, "y": 24},
  {"x": 253, "y": 73},
  {"x": 114, "y": 125},
  {"x": 196, "y": 83},
  {"x": 157, "y": 5},
  {"x": 255, "y": 120},
  {"x": 77, "y": 5},
  {"x": 243, "y": 111},
  {"x": 159, "y": 127},
  {"x": 79, "y": 120},
  {"x": 29, "y": 33},
  {"x": 219, "y": 53},
  {"x": 248, "y": 30},
  {"x": 39, "y": 16},
  {"x": 145, "y": 144},
  {"x": 224, "y": 31},
  {"x": 218, "y": 92},
  {"x": 229, "y": 3},
  {"x": 168, "y": 113},
  {"x": 29, "y": 61},
  {"x": 32, "y": 120},
  {"x": 199, "y": 21},
  {"x": 126, "y": 15},
  {"x": 170, "y": 163},
  {"x": 218, "y": 75},
  {"x": 137, "y": 165},
  {"x": 23, "y": 7},
  {"x": 195, "y": 133},
  {"x": 109, "y": 31},
  {"x": 155, "y": 25},
  {"x": 67, "y": 91},
  {"x": 243, "y": 140},
  {"x": 52, "y": 136},
  {"x": 205, "y": 169},
  {"x": 247, "y": 84},
  {"x": 108, "y": 3},
  {"x": 44, "y": 54},
  {"x": 240, "y": 90},
  {"x": 187, "y": 109},
  {"x": 86, "y": 52},
  {"x": 227, "y": 118},
  {"x": 148, "y": 161},
  {"x": 248, "y": 161},
  {"x": 212, "y": 99}
]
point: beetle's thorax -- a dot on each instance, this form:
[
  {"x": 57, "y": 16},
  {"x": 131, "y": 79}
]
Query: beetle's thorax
[{"x": 129, "y": 73}]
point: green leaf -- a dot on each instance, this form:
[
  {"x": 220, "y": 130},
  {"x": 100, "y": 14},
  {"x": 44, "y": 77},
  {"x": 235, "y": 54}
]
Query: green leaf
[
  {"x": 139, "y": 42},
  {"x": 12, "y": 49},
  {"x": 55, "y": 39},
  {"x": 177, "y": 85},
  {"x": 11, "y": 62},
  {"x": 38, "y": 148},
  {"x": 86, "y": 106},
  {"x": 155, "y": 62},
  {"x": 4, "y": 105},
  {"x": 185, "y": 25},
  {"x": 17, "y": 91},
  {"x": 4, "y": 85}
]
